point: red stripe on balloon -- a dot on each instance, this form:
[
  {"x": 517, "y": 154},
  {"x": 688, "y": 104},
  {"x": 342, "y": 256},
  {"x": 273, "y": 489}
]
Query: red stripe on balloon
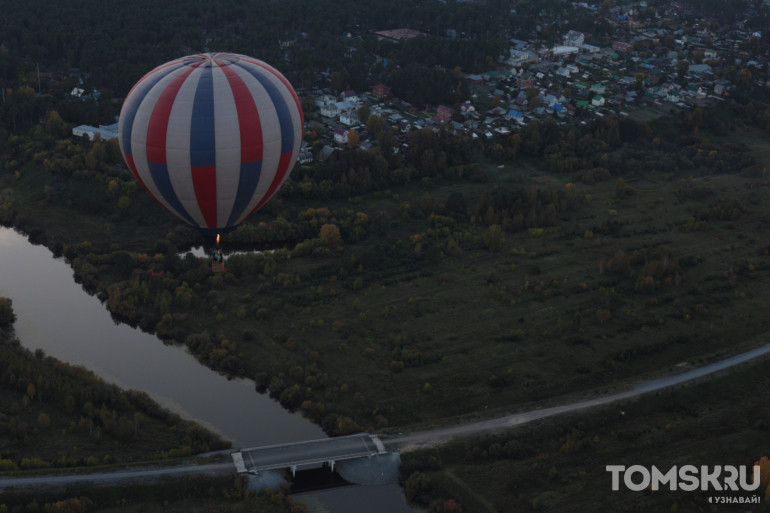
[
  {"x": 249, "y": 123},
  {"x": 161, "y": 111},
  {"x": 205, "y": 184},
  {"x": 283, "y": 166}
]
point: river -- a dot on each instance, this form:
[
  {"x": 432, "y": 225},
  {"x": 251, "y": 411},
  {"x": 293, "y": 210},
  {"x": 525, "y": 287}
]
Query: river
[{"x": 56, "y": 315}]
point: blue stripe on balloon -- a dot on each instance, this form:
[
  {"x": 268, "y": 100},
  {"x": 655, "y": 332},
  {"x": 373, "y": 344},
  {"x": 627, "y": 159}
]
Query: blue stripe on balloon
[
  {"x": 203, "y": 151},
  {"x": 284, "y": 114},
  {"x": 160, "y": 176},
  {"x": 128, "y": 115},
  {"x": 250, "y": 172}
]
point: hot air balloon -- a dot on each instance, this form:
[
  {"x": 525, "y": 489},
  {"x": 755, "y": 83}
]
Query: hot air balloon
[{"x": 211, "y": 137}]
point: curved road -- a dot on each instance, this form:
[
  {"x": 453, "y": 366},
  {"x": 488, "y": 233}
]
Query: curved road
[
  {"x": 406, "y": 442},
  {"x": 436, "y": 436}
]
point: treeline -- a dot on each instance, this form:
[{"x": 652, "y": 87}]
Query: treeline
[
  {"x": 115, "y": 43},
  {"x": 355, "y": 172},
  {"x": 420, "y": 85},
  {"x": 470, "y": 56}
]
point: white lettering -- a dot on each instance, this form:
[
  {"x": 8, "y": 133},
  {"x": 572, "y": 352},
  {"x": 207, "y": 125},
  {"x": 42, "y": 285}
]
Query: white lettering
[
  {"x": 659, "y": 478},
  {"x": 754, "y": 484},
  {"x": 616, "y": 470},
  {"x": 711, "y": 478},
  {"x": 628, "y": 478},
  {"x": 731, "y": 479},
  {"x": 688, "y": 480}
]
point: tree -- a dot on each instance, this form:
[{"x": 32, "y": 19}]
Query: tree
[
  {"x": 417, "y": 487},
  {"x": 6, "y": 311},
  {"x": 493, "y": 238},
  {"x": 43, "y": 421},
  {"x": 330, "y": 235},
  {"x": 353, "y": 138},
  {"x": 681, "y": 68},
  {"x": 364, "y": 111},
  {"x": 620, "y": 188},
  {"x": 374, "y": 125},
  {"x": 55, "y": 125}
]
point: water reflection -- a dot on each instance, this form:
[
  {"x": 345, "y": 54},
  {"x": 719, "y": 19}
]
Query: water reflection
[{"x": 55, "y": 314}]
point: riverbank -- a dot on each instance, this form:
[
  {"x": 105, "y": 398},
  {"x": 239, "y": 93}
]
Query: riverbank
[
  {"x": 61, "y": 416},
  {"x": 419, "y": 311}
]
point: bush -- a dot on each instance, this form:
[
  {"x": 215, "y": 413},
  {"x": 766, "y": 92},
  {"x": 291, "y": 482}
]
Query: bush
[{"x": 6, "y": 311}]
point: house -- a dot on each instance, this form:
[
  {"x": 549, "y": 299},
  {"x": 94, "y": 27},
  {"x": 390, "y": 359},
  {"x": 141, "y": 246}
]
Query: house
[
  {"x": 340, "y": 135},
  {"x": 445, "y": 113},
  {"x": 621, "y": 46},
  {"x": 525, "y": 80},
  {"x": 518, "y": 58},
  {"x": 549, "y": 100},
  {"x": 700, "y": 69},
  {"x": 351, "y": 96},
  {"x": 598, "y": 89},
  {"x": 574, "y": 38},
  {"x": 597, "y": 101},
  {"x": 330, "y": 110},
  {"x": 323, "y": 99},
  {"x": 563, "y": 51},
  {"x": 380, "y": 91},
  {"x": 349, "y": 117},
  {"x": 305, "y": 157},
  {"x": 104, "y": 132},
  {"x": 325, "y": 153},
  {"x": 467, "y": 108},
  {"x": 397, "y": 35}
]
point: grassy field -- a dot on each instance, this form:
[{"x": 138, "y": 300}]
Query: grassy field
[{"x": 560, "y": 464}]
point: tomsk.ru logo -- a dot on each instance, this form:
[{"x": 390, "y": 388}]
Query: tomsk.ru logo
[{"x": 687, "y": 477}]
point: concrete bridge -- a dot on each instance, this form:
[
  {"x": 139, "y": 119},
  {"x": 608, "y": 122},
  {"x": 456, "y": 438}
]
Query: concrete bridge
[{"x": 308, "y": 454}]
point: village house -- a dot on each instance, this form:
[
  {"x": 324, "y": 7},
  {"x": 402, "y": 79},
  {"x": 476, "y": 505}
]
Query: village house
[
  {"x": 397, "y": 35},
  {"x": 444, "y": 113},
  {"x": 330, "y": 110},
  {"x": 341, "y": 135},
  {"x": 105, "y": 132},
  {"x": 350, "y": 96},
  {"x": 380, "y": 91},
  {"x": 574, "y": 38},
  {"x": 349, "y": 117}
]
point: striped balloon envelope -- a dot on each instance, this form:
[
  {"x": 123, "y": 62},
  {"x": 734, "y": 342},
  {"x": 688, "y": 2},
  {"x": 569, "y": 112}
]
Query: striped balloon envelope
[{"x": 211, "y": 136}]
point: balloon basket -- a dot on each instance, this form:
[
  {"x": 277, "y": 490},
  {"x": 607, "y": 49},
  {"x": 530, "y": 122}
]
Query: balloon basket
[{"x": 218, "y": 267}]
